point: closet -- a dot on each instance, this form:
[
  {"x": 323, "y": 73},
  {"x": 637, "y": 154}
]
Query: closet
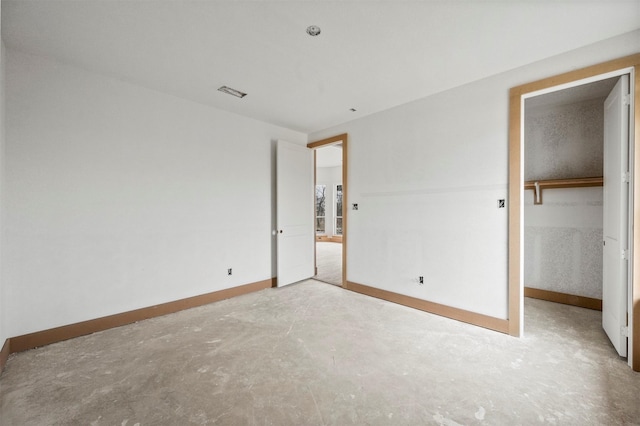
[{"x": 563, "y": 197}]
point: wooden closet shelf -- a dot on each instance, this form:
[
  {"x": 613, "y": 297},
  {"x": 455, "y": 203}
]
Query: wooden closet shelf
[{"x": 538, "y": 185}]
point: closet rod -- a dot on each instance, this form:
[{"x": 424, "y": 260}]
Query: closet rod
[{"x": 538, "y": 185}]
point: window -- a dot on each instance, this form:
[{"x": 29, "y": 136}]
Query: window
[
  {"x": 321, "y": 191},
  {"x": 338, "y": 210}
]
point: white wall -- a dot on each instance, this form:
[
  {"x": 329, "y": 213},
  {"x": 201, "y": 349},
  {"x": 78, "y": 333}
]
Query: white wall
[
  {"x": 329, "y": 176},
  {"x": 563, "y": 235},
  {"x": 427, "y": 176},
  {"x": 119, "y": 197}
]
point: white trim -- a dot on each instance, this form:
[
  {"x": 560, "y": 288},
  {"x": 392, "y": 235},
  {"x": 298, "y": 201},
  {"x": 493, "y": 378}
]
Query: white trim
[
  {"x": 576, "y": 83},
  {"x": 632, "y": 144},
  {"x": 521, "y": 230}
]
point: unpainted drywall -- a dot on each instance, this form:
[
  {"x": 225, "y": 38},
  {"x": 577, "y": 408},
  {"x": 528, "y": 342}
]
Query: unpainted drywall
[
  {"x": 329, "y": 176},
  {"x": 427, "y": 177},
  {"x": 119, "y": 197},
  {"x": 563, "y": 241},
  {"x": 564, "y": 141},
  {"x": 563, "y": 236}
]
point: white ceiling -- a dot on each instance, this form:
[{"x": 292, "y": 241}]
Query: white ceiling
[{"x": 371, "y": 55}]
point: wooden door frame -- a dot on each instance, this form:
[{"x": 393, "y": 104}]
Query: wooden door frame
[
  {"x": 516, "y": 99},
  {"x": 334, "y": 140}
]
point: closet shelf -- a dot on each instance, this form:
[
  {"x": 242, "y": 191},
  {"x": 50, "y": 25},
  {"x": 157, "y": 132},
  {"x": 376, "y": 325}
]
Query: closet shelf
[{"x": 538, "y": 185}]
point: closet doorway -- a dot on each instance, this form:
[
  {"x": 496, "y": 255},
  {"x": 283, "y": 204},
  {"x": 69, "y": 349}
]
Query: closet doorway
[
  {"x": 330, "y": 210},
  {"x": 564, "y": 203},
  {"x": 518, "y": 95}
]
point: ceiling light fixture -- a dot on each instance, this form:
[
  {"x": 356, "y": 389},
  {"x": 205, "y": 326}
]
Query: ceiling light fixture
[
  {"x": 230, "y": 91},
  {"x": 313, "y": 30}
]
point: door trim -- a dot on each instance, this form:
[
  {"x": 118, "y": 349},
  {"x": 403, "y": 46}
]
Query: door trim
[
  {"x": 344, "y": 138},
  {"x": 516, "y": 99}
]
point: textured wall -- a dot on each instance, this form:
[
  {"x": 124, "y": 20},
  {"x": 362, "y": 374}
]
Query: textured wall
[
  {"x": 564, "y": 141},
  {"x": 563, "y": 236},
  {"x": 563, "y": 241}
]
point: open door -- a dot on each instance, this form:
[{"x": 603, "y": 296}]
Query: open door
[
  {"x": 616, "y": 215},
  {"x": 295, "y": 204}
]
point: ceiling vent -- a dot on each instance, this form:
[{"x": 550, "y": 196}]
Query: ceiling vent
[{"x": 234, "y": 92}]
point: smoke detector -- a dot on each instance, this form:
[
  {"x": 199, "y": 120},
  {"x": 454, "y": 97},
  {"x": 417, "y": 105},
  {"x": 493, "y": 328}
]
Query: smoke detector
[{"x": 313, "y": 30}]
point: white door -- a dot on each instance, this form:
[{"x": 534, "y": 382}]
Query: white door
[
  {"x": 616, "y": 219},
  {"x": 294, "y": 164}
]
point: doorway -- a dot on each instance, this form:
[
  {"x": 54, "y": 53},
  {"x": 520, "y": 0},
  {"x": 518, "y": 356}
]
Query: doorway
[
  {"x": 330, "y": 214},
  {"x": 628, "y": 65},
  {"x": 564, "y": 203}
]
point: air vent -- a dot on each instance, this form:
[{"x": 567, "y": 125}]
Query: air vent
[{"x": 234, "y": 92}]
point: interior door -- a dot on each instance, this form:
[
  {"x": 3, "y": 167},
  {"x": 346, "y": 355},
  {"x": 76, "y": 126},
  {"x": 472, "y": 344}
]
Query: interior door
[
  {"x": 616, "y": 219},
  {"x": 295, "y": 215}
]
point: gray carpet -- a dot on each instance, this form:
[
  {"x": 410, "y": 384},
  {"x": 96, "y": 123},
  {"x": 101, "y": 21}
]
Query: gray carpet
[
  {"x": 315, "y": 354},
  {"x": 329, "y": 262}
]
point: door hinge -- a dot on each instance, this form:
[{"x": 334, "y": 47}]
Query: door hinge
[
  {"x": 626, "y": 100},
  {"x": 624, "y": 331},
  {"x": 626, "y": 177},
  {"x": 625, "y": 254}
]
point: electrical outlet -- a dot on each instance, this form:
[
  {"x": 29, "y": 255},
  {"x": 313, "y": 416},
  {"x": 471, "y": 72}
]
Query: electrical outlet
[
  {"x": 421, "y": 280},
  {"x": 229, "y": 271},
  {"x": 354, "y": 206},
  {"x": 501, "y": 203}
]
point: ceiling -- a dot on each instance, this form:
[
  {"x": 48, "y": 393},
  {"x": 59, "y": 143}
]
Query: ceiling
[
  {"x": 370, "y": 55},
  {"x": 585, "y": 92}
]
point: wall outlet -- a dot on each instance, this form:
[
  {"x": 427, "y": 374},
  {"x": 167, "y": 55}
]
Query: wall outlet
[
  {"x": 421, "y": 280},
  {"x": 501, "y": 204},
  {"x": 229, "y": 271},
  {"x": 354, "y": 206}
]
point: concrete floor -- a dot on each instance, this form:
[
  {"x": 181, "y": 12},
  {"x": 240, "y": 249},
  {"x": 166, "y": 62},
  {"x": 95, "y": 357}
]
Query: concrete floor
[
  {"x": 314, "y": 354},
  {"x": 329, "y": 262}
]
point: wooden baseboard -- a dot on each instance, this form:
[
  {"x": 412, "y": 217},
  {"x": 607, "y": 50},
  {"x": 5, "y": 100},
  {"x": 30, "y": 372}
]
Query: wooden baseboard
[
  {"x": 496, "y": 324},
  {"x": 46, "y": 337},
  {"x": 564, "y": 298},
  {"x": 332, "y": 239},
  {"x": 4, "y": 354}
]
